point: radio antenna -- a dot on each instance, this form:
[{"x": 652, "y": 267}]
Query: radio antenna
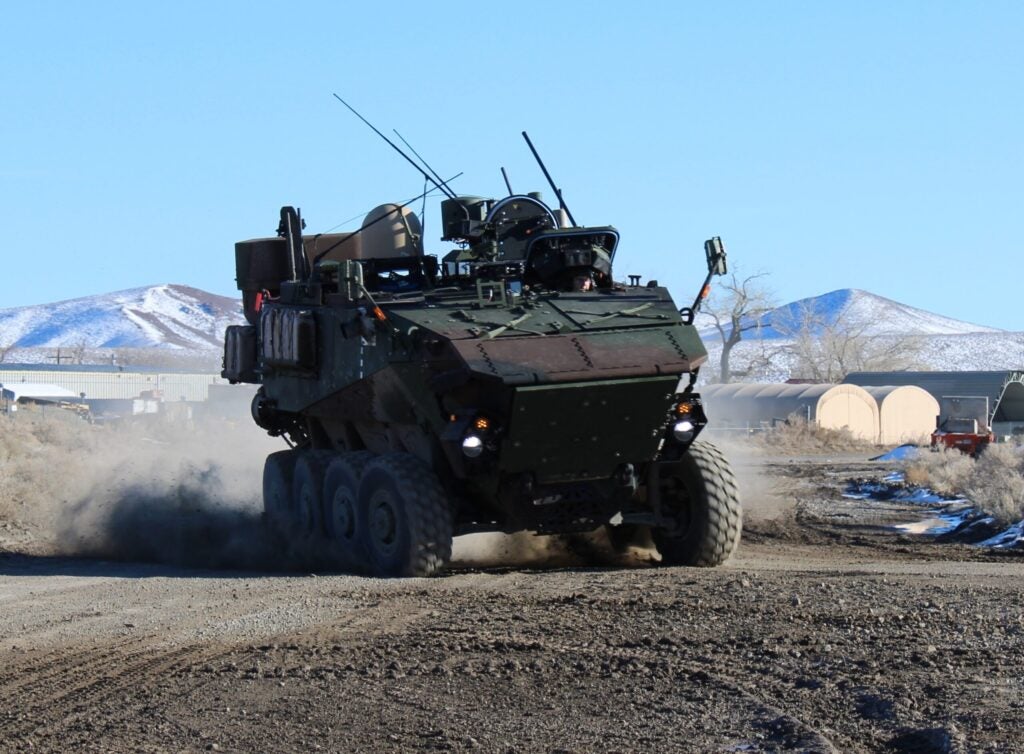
[
  {"x": 558, "y": 191},
  {"x": 447, "y": 192},
  {"x": 508, "y": 185}
]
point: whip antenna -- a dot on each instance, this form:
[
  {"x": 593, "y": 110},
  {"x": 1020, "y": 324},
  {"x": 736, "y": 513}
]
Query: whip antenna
[
  {"x": 558, "y": 191},
  {"x": 447, "y": 192}
]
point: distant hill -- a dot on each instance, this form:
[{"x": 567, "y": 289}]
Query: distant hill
[
  {"x": 171, "y": 317},
  {"x": 868, "y": 313},
  {"x": 161, "y": 322},
  {"x": 937, "y": 342}
]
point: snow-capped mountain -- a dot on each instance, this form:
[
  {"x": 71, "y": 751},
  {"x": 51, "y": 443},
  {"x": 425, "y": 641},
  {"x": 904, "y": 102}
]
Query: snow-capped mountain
[
  {"x": 894, "y": 335},
  {"x": 162, "y": 316},
  {"x": 179, "y": 319},
  {"x": 864, "y": 312}
]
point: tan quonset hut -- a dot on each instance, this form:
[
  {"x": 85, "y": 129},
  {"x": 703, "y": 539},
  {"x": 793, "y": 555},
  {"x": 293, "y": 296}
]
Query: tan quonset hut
[
  {"x": 744, "y": 404},
  {"x": 906, "y": 413},
  {"x": 1004, "y": 390}
]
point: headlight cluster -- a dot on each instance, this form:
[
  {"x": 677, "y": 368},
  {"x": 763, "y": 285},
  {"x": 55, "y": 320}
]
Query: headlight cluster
[
  {"x": 687, "y": 418},
  {"x": 683, "y": 430},
  {"x": 475, "y": 441},
  {"x": 472, "y": 446}
]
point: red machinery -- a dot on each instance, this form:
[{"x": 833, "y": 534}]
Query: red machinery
[{"x": 963, "y": 423}]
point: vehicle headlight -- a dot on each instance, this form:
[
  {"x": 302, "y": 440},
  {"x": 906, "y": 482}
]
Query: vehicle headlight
[
  {"x": 682, "y": 431},
  {"x": 472, "y": 446}
]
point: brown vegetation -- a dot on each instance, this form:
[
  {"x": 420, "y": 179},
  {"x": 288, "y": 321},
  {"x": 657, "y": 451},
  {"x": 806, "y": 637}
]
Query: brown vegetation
[
  {"x": 799, "y": 436},
  {"x": 994, "y": 481}
]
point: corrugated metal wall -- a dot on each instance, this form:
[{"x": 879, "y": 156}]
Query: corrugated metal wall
[{"x": 107, "y": 385}]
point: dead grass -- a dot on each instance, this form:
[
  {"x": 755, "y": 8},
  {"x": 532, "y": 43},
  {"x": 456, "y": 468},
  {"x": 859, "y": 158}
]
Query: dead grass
[
  {"x": 42, "y": 453},
  {"x": 994, "y": 481},
  {"x": 799, "y": 436}
]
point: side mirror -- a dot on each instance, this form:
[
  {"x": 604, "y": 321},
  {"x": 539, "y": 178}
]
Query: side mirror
[
  {"x": 350, "y": 279},
  {"x": 714, "y": 249}
]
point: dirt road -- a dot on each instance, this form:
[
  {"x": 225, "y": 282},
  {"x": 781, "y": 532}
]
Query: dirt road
[
  {"x": 827, "y": 632},
  {"x": 792, "y": 647}
]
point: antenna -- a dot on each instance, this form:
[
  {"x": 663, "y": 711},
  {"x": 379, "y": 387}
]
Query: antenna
[
  {"x": 508, "y": 185},
  {"x": 558, "y": 191},
  {"x": 447, "y": 192}
]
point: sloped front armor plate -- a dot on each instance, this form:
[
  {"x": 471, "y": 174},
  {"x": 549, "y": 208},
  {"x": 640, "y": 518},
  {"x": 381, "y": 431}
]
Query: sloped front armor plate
[
  {"x": 582, "y": 356},
  {"x": 586, "y": 431}
]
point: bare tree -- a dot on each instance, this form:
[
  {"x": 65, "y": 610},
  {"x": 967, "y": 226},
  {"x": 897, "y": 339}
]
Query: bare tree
[
  {"x": 737, "y": 307},
  {"x": 166, "y": 358},
  {"x": 823, "y": 349},
  {"x": 78, "y": 351}
]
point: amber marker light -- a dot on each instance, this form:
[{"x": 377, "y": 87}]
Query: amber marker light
[
  {"x": 482, "y": 423},
  {"x": 684, "y": 409}
]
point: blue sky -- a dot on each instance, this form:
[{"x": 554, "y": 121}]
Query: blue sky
[{"x": 867, "y": 145}]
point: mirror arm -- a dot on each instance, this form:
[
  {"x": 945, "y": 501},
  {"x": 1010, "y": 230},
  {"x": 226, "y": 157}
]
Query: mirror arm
[{"x": 714, "y": 249}]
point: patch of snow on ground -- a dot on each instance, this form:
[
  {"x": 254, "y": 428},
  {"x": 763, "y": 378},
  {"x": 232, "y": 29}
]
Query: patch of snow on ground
[{"x": 943, "y": 515}]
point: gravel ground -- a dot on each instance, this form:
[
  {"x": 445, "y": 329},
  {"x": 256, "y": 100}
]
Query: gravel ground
[{"x": 827, "y": 632}]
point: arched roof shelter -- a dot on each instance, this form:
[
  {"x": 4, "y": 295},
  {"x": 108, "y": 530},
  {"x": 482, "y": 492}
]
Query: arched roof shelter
[
  {"x": 1004, "y": 389},
  {"x": 744, "y": 404},
  {"x": 906, "y": 413}
]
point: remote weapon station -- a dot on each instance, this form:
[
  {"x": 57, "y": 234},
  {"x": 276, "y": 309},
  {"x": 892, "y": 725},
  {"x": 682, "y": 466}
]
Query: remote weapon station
[{"x": 513, "y": 385}]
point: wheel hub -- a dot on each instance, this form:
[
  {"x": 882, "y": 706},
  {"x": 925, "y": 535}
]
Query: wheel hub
[
  {"x": 383, "y": 524},
  {"x": 344, "y": 514},
  {"x": 676, "y": 506}
]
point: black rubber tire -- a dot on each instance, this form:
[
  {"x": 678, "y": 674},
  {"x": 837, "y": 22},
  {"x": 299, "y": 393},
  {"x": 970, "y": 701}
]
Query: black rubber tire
[
  {"x": 341, "y": 509},
  {"x": 278, "y": 473},
  {"x": 699, "y": 492},
  {"x": 307, "y": 495},
  {"x": 405, "y": 518}
]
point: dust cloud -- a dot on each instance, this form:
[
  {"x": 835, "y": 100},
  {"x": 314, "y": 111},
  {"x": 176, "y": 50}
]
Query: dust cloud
[
  {"x": 528, "y": 550},
  {"x": 155, "y": 491},
  {"x": 190, "y": 495}
]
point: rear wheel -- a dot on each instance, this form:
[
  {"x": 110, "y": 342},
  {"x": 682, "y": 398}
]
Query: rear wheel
[
  {"x": 307, "y": 495},
  {"x": 404, "y": 518},
  {"x": 278, "y": 473},
  {"x": 701, "y": 503},
  {"x": 341, "y": 507}
]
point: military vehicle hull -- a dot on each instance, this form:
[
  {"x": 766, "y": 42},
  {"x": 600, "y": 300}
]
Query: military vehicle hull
[{"x": 456, "y": 403}]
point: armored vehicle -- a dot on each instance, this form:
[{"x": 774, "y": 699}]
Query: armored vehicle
[{"x": 512, "y": 385}]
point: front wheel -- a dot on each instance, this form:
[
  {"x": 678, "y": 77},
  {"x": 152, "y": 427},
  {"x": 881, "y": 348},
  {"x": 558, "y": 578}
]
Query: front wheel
[
  {"x": 701, "y": 507},
  {"x": 404, "y": 517}
]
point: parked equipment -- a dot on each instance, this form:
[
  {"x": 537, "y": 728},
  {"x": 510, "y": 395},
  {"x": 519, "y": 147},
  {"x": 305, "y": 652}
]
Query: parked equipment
[{"x": 963, "y": 423}]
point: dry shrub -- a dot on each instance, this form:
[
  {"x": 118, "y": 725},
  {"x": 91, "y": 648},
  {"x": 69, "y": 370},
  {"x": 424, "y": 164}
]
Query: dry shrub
[
  {"x": 997, "y": 486},
  {"x": 797, "y": 435},
  {"x": 994, "y": 481},
  {"x": 42, "y": 453},
  {"x": 945, "y": 471}
]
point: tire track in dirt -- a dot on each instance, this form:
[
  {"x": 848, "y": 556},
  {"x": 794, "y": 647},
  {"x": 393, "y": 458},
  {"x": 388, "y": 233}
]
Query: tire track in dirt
[{"x": 69, "y": 686}]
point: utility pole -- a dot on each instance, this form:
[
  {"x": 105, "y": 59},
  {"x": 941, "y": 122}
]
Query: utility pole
[{"x": 59, "y": 357}]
